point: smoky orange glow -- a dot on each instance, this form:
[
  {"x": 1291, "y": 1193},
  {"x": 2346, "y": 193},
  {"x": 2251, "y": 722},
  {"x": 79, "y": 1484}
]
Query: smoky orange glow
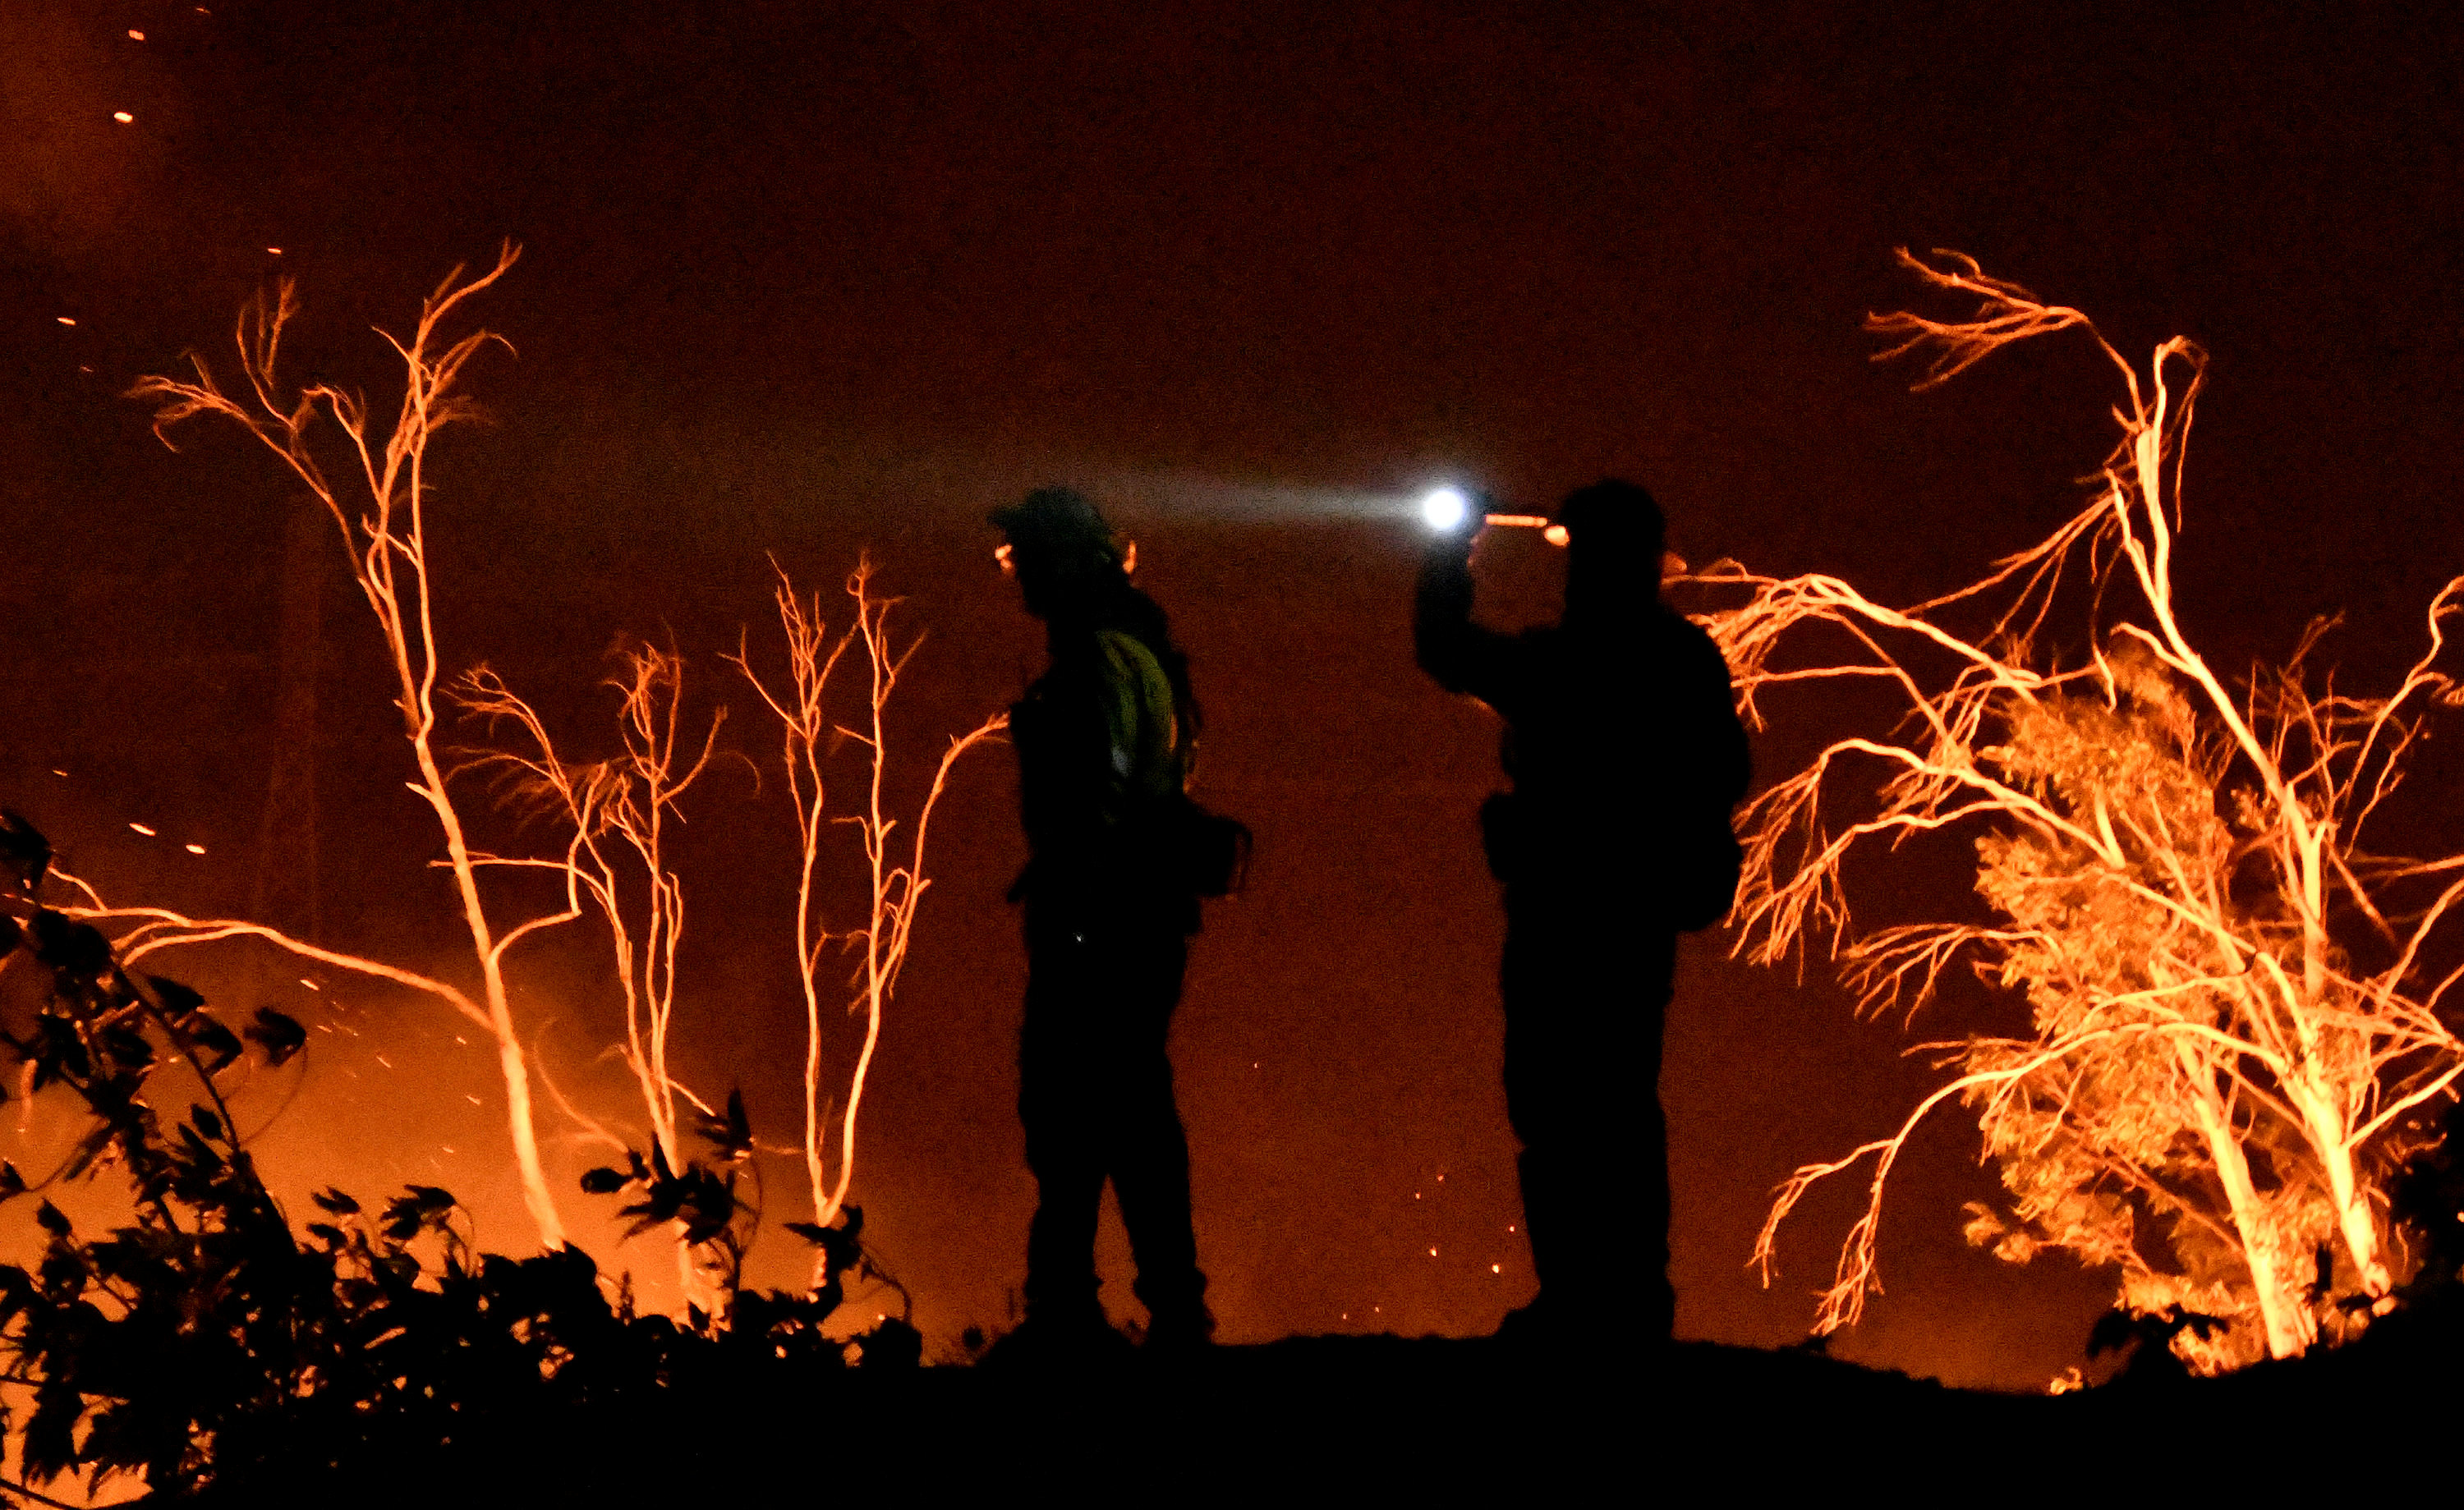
[{"x": 804, "y": 291}]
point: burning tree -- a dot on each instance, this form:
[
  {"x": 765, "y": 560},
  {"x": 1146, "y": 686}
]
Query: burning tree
[
  {"x": 2234, "y": 993},
  {"x": 614, "y": 812},
  {"x": 377, "y": 496},
  {"x": 895, "y": 885}
]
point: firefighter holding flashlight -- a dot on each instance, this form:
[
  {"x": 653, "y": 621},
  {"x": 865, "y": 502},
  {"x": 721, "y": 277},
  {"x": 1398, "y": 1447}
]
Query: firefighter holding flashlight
[
  {"x": 1626, "y": 761},
  {"x": 1103, "y": 740}
]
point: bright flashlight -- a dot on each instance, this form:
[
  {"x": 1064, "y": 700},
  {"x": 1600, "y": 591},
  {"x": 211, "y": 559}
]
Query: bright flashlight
[{"x": 1445, "y": 508}]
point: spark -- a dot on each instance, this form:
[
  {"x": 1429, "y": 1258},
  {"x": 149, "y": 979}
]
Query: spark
[
  {"x": 273, "y": 252},
  {"x": 1433, "y": 1253},
  {"x": 142, "y": 829},
  {"x": 194, "y": 850},
  {"x": 387, "y": 1062},
  {"x": 65, "y": 321},
  {"x": 474, "y": 1101},
  {"x": 136, "y": 36},
  {"x": 1497, "y": 1268},
  {"x": 124, "y": 118},
  {"x": 56, "y": 771}
]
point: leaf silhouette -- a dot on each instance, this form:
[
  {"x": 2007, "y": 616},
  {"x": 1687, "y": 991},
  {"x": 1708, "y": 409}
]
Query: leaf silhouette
[
  {"x": 25, "y": 854},
  {"x": 279, "y": 1034},
  {"x": 178, "y": 1000}
]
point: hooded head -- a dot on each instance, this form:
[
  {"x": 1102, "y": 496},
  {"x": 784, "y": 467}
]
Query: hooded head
[{"x": 1615, "y": 536}]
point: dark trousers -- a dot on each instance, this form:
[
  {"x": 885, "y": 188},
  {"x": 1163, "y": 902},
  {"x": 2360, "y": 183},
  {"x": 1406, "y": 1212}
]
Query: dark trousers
[
  {"x": 1095, "y": 1097},
  {"x": 1586, "y": 985}
]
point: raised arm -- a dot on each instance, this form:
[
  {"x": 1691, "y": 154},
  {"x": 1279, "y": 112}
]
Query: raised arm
[{"x": 1461, "y": 655}]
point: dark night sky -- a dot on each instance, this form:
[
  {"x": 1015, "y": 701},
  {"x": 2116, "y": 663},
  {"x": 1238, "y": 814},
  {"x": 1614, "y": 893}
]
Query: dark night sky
[{"x": 801, "y": 277}]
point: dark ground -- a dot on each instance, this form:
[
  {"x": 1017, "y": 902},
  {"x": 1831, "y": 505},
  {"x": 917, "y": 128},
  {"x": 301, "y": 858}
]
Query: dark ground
[{"x": 1388, "y": 1419}]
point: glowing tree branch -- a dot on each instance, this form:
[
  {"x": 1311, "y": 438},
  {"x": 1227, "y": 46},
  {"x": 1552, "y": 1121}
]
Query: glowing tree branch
[
  {"x": 897, "y": 882},
  {"x": 2234, "y": 1004},
  {"x": 616, "y": 813},
  {"x": 384, "y": 530}
]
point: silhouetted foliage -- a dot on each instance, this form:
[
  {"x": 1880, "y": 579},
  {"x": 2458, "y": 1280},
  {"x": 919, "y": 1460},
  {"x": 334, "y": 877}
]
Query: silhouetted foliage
[
  {"x": 2149, "y": 1338},
  {"x": 701, "y": 1201},
  {"x": 2427, "y": 1196},
  {"x": 203, "y": 1345}
]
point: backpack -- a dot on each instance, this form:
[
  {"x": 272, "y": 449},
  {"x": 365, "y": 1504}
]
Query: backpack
[{"x": 1194, "y": 851}]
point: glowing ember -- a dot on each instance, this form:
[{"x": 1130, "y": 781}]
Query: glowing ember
[
  {"x": 194, "y": 850},
  {"x": 142, "y": 829},
  {"x": 122, "y": 117}
]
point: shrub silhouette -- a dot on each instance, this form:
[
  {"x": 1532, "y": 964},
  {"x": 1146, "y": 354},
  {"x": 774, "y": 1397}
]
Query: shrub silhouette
[{"x": 205, "y": 1345}]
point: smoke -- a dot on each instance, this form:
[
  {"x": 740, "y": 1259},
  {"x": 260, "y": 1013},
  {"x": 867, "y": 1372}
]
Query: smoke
[{"x": 1178, "y": 497}]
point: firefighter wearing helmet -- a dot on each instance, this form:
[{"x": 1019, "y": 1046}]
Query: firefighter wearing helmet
[{"x": 1104, "y": 739}]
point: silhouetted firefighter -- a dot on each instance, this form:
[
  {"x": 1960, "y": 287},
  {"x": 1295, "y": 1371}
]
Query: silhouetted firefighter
[
  {"x": 1118, "y": 857},
  {"x": 1626, "y": 759}
]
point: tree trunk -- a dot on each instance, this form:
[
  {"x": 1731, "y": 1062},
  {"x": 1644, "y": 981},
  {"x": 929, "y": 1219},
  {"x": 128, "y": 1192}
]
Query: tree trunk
[{"x": 2290, "y": 1326}]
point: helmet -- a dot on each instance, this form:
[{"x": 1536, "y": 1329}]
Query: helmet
[{"x": 1059, "y": 529}]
